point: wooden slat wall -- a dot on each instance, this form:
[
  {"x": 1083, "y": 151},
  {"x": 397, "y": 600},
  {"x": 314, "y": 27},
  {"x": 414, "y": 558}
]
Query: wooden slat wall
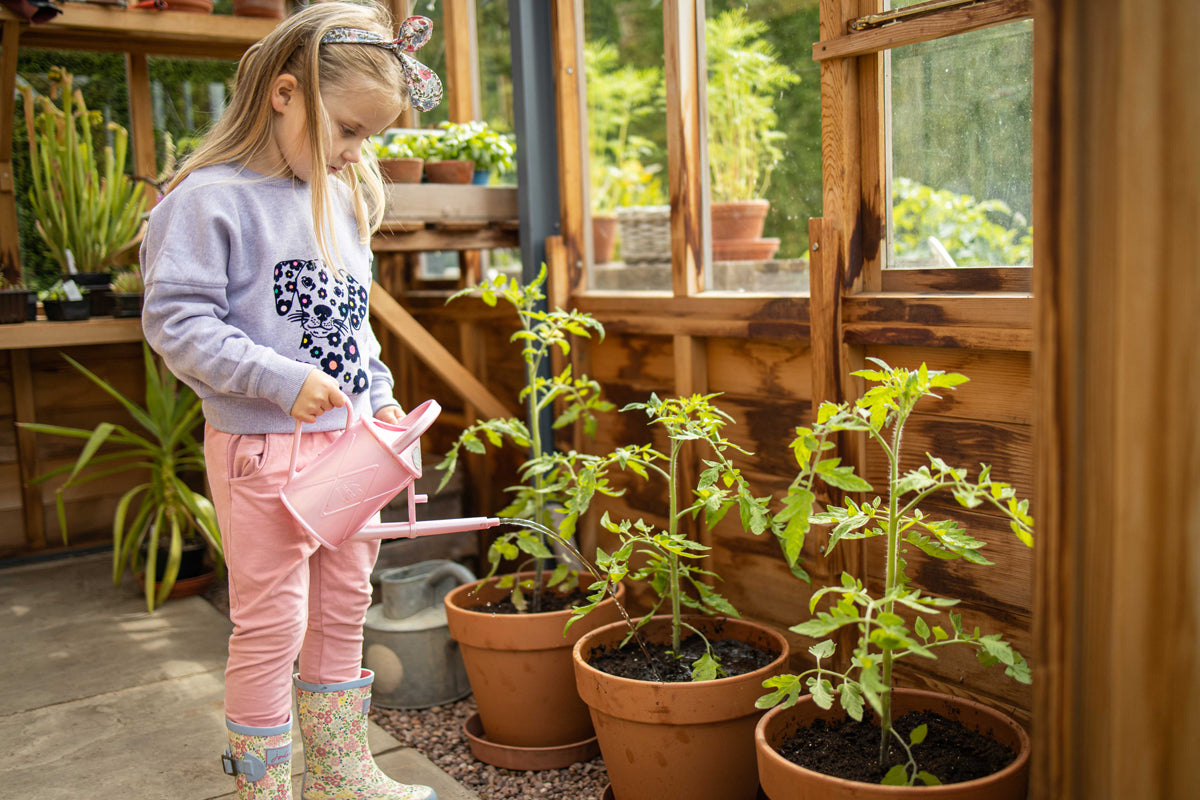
[{"x": 59, "y": 395}]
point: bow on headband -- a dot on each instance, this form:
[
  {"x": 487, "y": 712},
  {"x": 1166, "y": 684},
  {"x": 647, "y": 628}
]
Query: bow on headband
[{"x": 424, "y": 86}]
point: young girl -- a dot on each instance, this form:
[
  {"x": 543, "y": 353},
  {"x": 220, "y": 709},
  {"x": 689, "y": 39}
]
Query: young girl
[{"x": 258, "y": 265}]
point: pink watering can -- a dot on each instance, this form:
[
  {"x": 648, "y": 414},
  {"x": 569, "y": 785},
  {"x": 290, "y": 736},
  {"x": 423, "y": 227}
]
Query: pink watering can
[{"x": 352, "y": 479}]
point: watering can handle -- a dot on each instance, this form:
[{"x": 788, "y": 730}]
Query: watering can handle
[
  {"x": 349, "y": 406},
  {"x": 415, "y": 422}
]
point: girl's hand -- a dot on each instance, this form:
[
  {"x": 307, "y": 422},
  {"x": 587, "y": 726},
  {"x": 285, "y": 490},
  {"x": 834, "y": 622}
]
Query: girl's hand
[
  {"x": 318, "y": 394},
  {"x": 390, "y": 414}
]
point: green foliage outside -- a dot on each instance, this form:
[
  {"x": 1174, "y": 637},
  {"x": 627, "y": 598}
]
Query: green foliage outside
[
  {"x": 102, "y": 79},
  {"x": 975, "y": 233}
]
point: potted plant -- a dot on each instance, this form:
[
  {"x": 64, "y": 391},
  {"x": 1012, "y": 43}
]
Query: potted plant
[
  {"x": 521, "y": 660},
  {"x": 159, "y": 519},
  {"x": 744, "y": 80},
  {"x": 14, "y": 299},
  {"x": 127, "y": 289},
  {"x": 87, "y": 210},
  {"x": 899, "y": 622},
  {"x": 398, "y": 162},
  {"x": 619, "y": 98},
  {"x": 674, "y": 708},
  {"x": 493, "y": 152},
  {"x": 64, "y": 301},
  {"x": 446, "y": 160}
]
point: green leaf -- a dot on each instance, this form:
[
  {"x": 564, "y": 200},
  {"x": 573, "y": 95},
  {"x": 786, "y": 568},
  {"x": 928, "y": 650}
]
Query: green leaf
[
  {"x": 918, "y": 734},
  {"x": 896, "y": 776},
  {"x": 705, "y": 668}
]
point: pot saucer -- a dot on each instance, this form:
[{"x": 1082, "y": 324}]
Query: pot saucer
[
  {"x": 526, "y": 758},
  {"x": 608, "y": 794}
]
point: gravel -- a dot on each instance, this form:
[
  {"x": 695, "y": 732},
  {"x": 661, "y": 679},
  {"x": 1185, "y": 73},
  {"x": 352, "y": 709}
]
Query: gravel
[{"x": 437, "y": 733}]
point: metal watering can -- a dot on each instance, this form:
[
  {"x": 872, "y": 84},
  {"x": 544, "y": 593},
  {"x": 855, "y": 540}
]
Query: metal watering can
[{"x": 335, "y": 495}]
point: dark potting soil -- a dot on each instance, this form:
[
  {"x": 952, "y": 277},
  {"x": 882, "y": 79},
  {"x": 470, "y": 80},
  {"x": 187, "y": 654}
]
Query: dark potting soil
[
  {"x": 850, "y": 750},
  {"x": 551, "y": 601},
  {"x": 737, "y": 658}
]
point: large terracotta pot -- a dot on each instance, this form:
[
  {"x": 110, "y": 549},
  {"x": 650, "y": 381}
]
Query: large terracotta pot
[
  {"x": 783, "y": 780},
  {"x": 678, "y": 741},
  {"x": 739, "y": 220},
  {"x": 519, "y": 667}
]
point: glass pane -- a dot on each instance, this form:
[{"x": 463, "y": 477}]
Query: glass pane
[
  {"x": 101, "y": 79},
  {"x": 186, "y": 97},
  {"x": 627, "y": 149},
  {"x": 764, "y": 142},
  {"x": 961, "y": 176}
]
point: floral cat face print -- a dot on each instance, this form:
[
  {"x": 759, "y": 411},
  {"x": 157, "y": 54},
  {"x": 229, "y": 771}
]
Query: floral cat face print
[{"x": 329, "y": 315}]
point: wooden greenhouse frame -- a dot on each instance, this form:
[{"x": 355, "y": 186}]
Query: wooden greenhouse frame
[{"x": 1084, "y": 368}]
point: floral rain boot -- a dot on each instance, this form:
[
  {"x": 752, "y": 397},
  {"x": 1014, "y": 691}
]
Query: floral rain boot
[
  {"x": 337, "y": 761},
  {"x": 261, "y": 760}
]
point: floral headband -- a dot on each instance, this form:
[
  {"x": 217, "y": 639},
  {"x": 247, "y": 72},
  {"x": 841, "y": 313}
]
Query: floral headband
[{"x": 424, "y": 86}]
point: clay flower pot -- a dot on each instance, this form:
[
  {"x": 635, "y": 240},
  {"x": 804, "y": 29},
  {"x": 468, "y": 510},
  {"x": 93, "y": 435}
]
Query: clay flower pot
[
  {"x": 450, "y": 171},
  {"x": 401, "y": 170},
  {"x": 739, "y": 220},
  {"x": 678, "y": 741},
  {"x": 604, "y": 237},
  {"x": 520, "y": 670},
  {"x": 783, "y": 780}
]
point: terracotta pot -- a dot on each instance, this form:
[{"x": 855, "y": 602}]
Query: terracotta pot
[
  {"x": 519, "y": 667},
  {"x": 269, "y": 9},
  {"x": 183, "y": 587},
  {"x": 783, "y": 780},
  {"x": 744, "y": 249},
  {"x": 450, "y": 171},
  {"x": 191, "y": 6},
  {"x": 401, "y": 170},
  {"x": 678, "y": 741},
  {"x": 604, "y": 237},
  {"x": 739, "y": 220}
]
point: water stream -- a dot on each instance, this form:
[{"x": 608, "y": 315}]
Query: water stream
[{"x": 537, "y": 527}]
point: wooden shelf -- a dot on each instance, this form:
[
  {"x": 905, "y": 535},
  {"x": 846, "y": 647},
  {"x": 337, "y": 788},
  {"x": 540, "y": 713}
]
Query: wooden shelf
[
  {"x": 441, "y": 216},
  {"x": 43, "y": 333},
  {"x": 83, "y": 26}
]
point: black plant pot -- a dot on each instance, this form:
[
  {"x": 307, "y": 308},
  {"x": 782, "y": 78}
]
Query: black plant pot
[
  {"x": 126, "y": 305},
  {"x": 67, "y": 310},
  {"x": 99, "y": 296},
  {"x": 13, "y": 303},
  {"x": 191, "y": 561}
]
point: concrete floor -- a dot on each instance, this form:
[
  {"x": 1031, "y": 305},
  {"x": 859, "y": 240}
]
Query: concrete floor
[{"x": 101, "y": 700}]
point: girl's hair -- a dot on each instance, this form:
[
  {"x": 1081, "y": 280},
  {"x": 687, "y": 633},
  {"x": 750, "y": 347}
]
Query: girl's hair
[{"x": 244, "y": 131}]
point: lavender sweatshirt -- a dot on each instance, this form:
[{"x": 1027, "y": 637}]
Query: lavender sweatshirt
[{"x": 241, "y": 306}]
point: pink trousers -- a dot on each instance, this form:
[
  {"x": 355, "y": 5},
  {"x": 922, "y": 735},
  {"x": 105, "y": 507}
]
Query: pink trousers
[{"x": 289, "y": 597}]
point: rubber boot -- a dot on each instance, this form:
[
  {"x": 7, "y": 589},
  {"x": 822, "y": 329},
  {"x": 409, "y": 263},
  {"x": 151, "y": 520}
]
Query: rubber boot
[
  {"x": 337, "y": 761},
  {"x": 261, "y": 760}
]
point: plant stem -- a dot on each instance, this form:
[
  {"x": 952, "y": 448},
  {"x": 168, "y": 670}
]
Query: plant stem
[
  {"x": 533, "y": 412},
  {"x": 673, "y": 558},
  {"x": 893, "y": 569}
]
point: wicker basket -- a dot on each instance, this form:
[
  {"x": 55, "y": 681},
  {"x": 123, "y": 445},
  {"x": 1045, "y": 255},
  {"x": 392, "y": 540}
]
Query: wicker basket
[{"x": 645, "y": 234}]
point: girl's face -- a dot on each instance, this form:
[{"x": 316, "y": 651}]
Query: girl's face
[{"x": 355, "y": 110}]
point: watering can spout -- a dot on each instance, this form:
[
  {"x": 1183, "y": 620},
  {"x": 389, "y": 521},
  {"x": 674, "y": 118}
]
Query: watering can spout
[{"x": 429, "y": 527}]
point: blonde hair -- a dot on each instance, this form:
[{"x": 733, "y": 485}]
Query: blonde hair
[{"x": 244, "y": 131}]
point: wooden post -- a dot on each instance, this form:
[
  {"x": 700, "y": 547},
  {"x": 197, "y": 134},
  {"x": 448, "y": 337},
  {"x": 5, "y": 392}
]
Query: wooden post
[
  {"x": 10, "y": 252},
  {"x": 1117, "y": 285},
  {"x": 683, "y": 36}
]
